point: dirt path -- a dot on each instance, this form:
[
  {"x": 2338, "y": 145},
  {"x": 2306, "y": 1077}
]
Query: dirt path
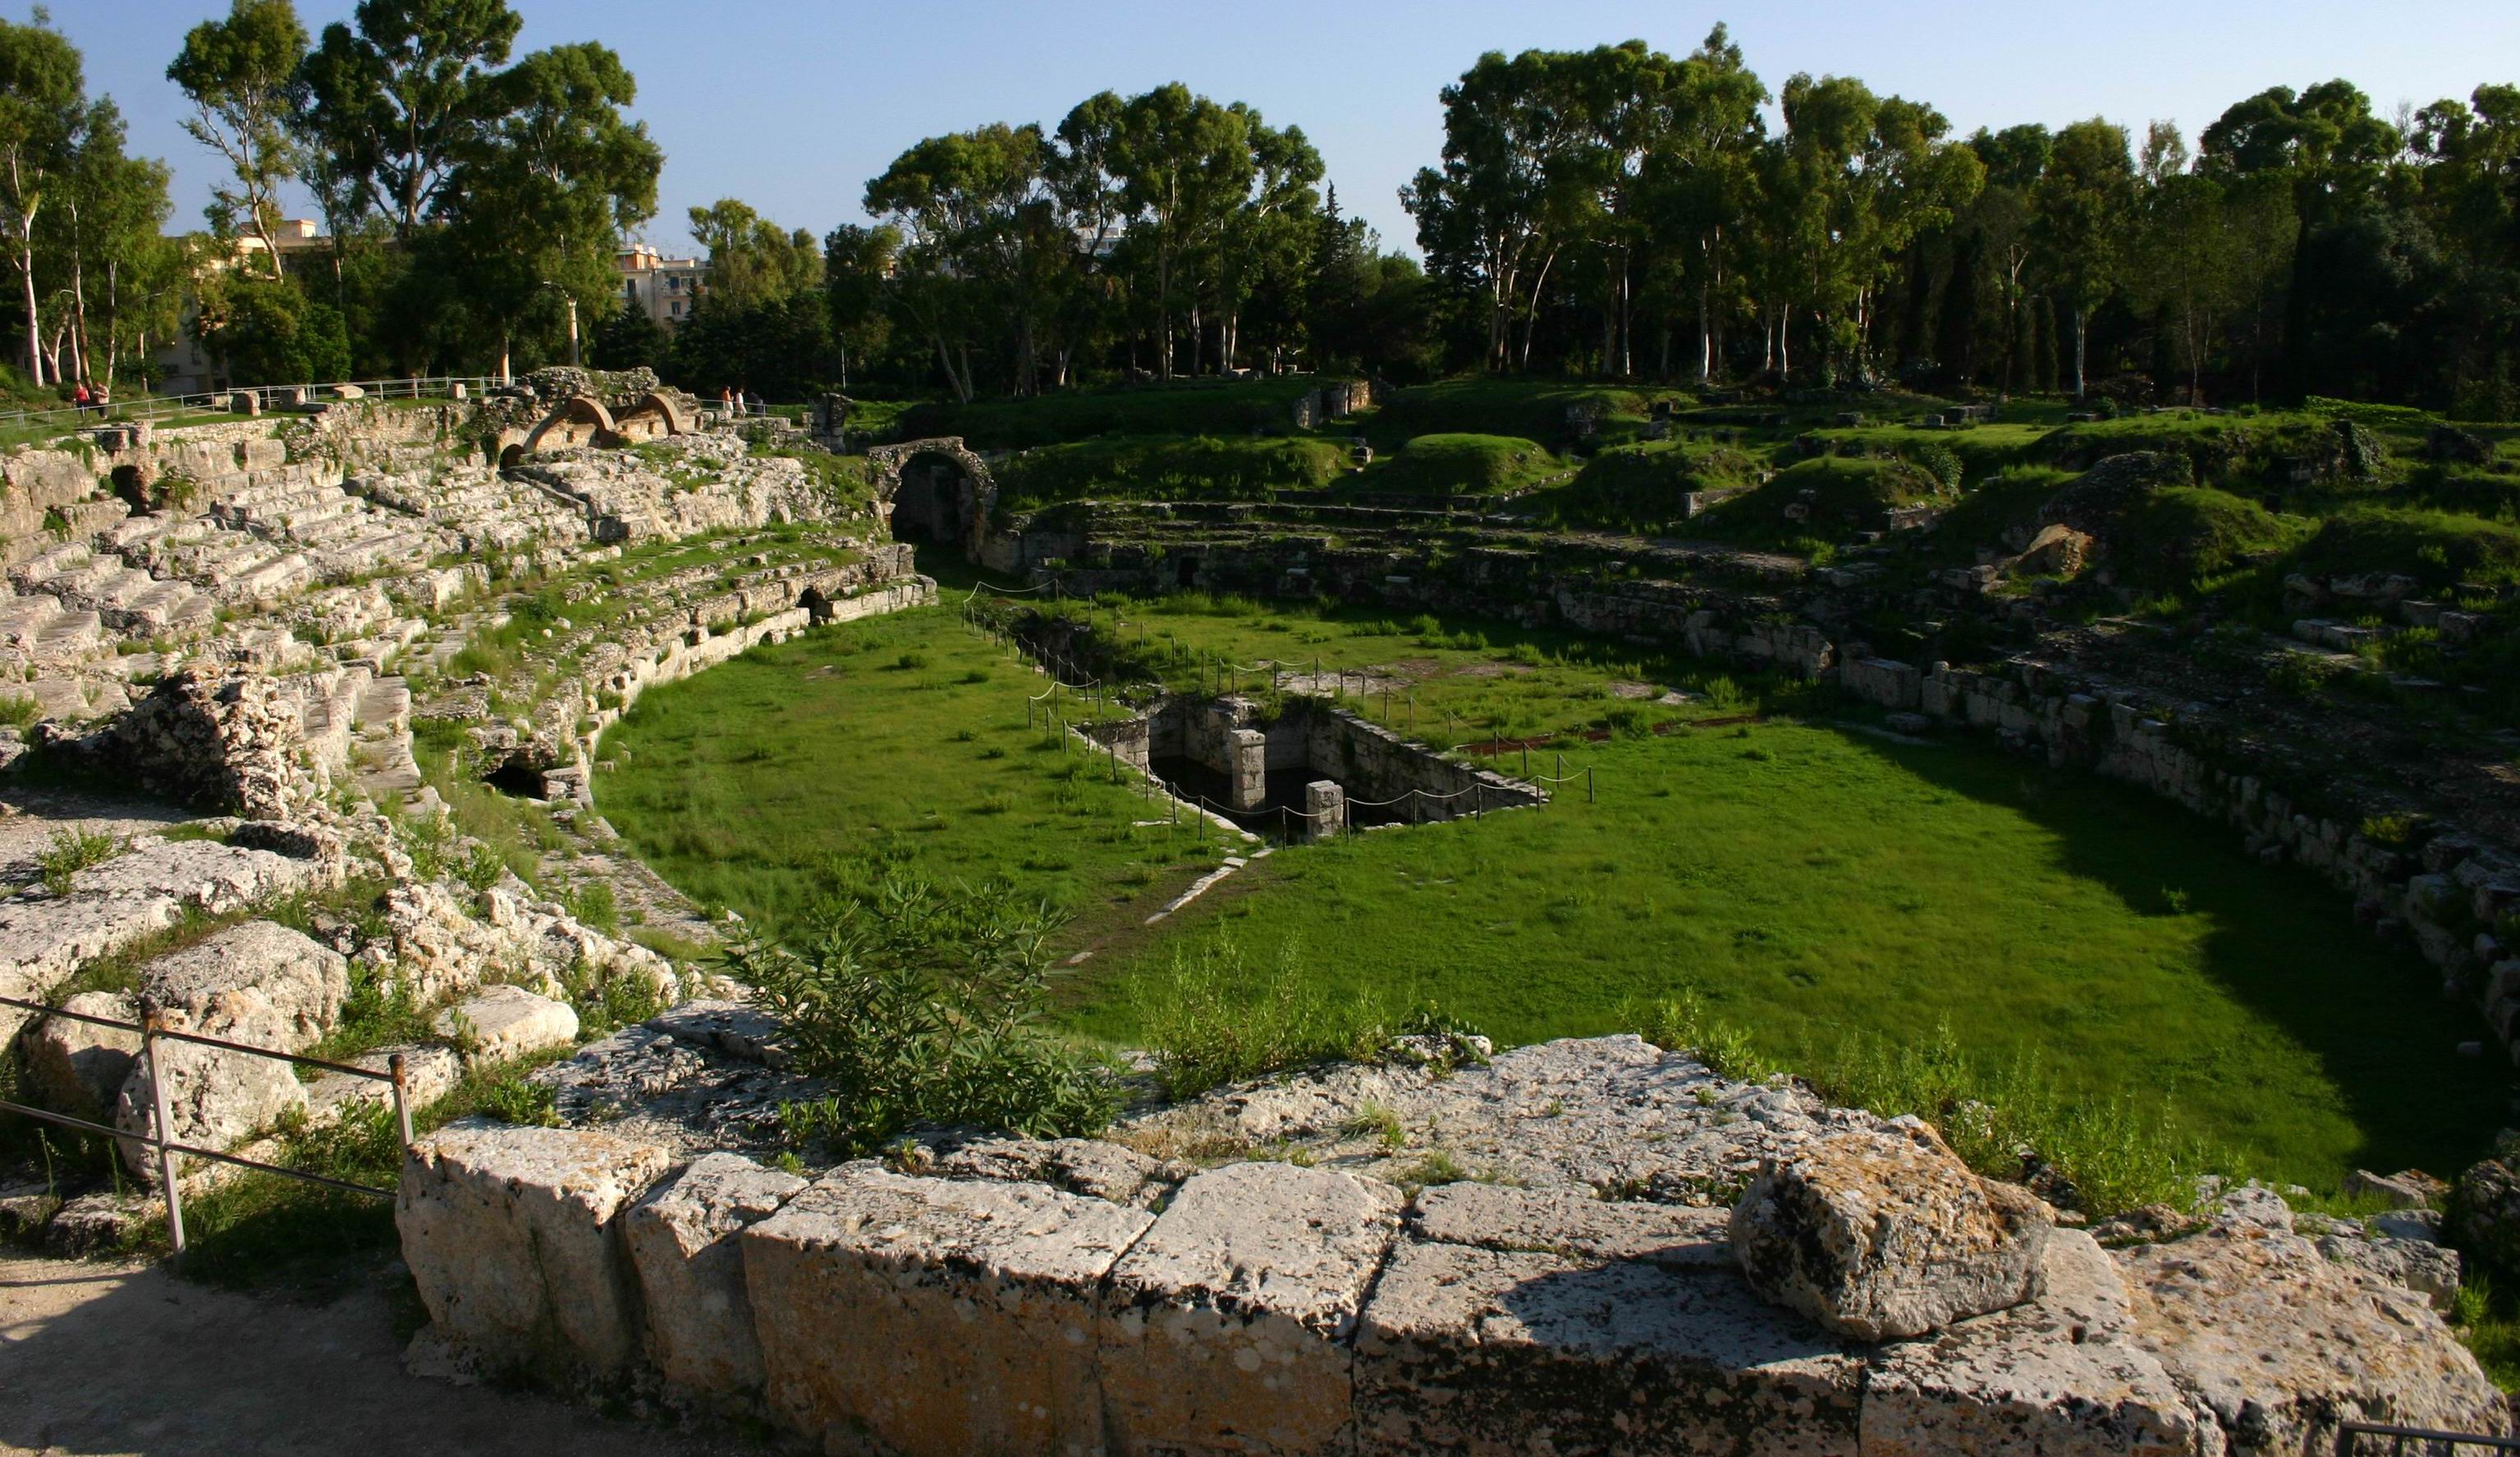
[{"x": 100, "y": 1358}]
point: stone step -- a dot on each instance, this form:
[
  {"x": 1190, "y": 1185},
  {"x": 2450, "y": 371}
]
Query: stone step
[{"x": 386, "y": 703}]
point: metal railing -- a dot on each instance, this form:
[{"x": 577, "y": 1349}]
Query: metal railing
[
  {"x": 2349, "y": 1441},
  {"x": 156, "y": 407},
  {"x": 159, "y": 1136}
]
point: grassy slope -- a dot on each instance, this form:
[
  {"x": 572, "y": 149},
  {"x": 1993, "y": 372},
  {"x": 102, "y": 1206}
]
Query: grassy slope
[
  {"x": 1464, "y": 465},
  {"x": 740, "y": 785},
  {"x": 1162, "y": 468},
  {"x": 1815, "y": 884}
]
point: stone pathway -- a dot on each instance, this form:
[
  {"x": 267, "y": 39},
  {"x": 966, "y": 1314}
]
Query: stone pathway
[{"x": 107, "y": 1357}]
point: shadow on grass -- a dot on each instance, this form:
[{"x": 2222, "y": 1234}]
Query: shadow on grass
[{"x": 2280, "y": 941}]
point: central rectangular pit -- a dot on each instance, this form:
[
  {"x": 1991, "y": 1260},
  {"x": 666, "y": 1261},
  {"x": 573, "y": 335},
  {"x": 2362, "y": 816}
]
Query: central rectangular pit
[{"x": 1302, "y": 768}]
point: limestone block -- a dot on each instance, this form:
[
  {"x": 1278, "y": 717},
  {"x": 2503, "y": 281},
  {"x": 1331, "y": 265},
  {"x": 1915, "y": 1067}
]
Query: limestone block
[
  {"x": 1887, "y": 1235},
  {"x": 1325, "y": 809},
  {"x": 78, "y": 1067},
  {"x": 1246, "y": 755},
  {"x": 502, "y": 1024},
  {"x": 514, "y": 1237},
  {"x": 1573, "y": 1223},
  {"x": 682, "y": 1243},
  {"x": 430, "y": 1072},
  {"x": 1079, "y": 1166},
  {"x": 1495, "y": 1352},
  {"x": 2429, "y": 1269},
  {"x": 214, "y": 1098},
  {"x": 2280, "y": 1344},
  {"x": 936, "y": 1316},
  {"x": 2058, "y": 1377},
  {"x": 258, "y": 976},
  {"x": 1226, "y": 1328}
]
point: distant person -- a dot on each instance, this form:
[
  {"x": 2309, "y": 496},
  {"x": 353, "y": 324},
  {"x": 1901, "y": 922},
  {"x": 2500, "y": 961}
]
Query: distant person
[
  {"x": 80, "y": 399},
  {"x": 726, "y": 399}
]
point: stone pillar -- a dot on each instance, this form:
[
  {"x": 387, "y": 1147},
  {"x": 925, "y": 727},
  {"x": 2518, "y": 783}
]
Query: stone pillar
[
  {"x": 1324, "y": 808},
  {"x": 457, "y": 391},
  {"x": 1246, "y": 754},
  {"x": 248, "y": 402}
]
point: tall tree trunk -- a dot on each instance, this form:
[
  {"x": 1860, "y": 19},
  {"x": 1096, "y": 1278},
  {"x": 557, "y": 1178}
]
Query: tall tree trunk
[
  {"x": 26, "y": 272},
  {"x": 1531, "y": 316},
  {"x": 2082, "y": 329},
  {"x": 1627, "y": 331},
  {"x": 1705, "y": 332}
]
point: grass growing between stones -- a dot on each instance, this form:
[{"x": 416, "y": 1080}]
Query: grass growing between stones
[{"x": 1821, "y": 888}]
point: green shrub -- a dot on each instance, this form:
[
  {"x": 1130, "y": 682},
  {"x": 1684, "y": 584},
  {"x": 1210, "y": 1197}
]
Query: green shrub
[
  {"x": 72, "y": 851},
  {"x": 1217, "y": 1019},
  {"x": 594, "y": 905},
  {"x": 920, "y": 1003},
  {"x": 20, "y": 710}
]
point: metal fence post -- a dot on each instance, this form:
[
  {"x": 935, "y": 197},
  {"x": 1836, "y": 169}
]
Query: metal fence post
[
  {"x": 161, "y": 1130},
  {"x": 401, "y": 1097}
]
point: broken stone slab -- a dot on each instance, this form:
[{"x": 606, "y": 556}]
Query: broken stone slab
[
  {"x": 1882, "y": 1235},
  {"x": 1498, "y": 1216},
  {"x": 99, "y": 1223},
  {"x": 1079, "y": 1166},
  {"x": 1470, "y": 1349},
  {"x": 258, "y": 983},
  {"x": 935, "y": 1316},
  {"x": 502, "y": 1024},
  {"x": 2406, "y": 1189},
  {"x": 2280, "y": 1344},
  {"x": 682, "y": 1242},
  {"x": 430, "y": 1072},
  {"x": 513, "y": 1238},
  {"x": 1226, "y": 1328},
  {"x": 2429, "y": 1269},
  {"x": 2058, "y": 1376},
  {"x": 735, "y": 1029},
  {"x": 26, "y": 1204},
  {"x": 78, "y": 1067}
]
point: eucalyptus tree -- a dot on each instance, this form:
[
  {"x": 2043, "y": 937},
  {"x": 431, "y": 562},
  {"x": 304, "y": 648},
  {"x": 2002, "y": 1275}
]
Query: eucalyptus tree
[
  {"x": 1185, "y": 167},
  {"x": 1265, "y": 248},
  {"x": 240, "y": 74},
  {"x": 537, "y": 212},
  {"x": 1699, "y": 183},
  {"x": 104, "y": 235},
  {"x": 752, "y": 260},
  {"x": 1492, "y": 216},
  {"x": 968, "y": 210},
  {"x": 2084, "y": 208},
  {"x": 43, "y": 110},
  {"x": 403, "y": 94}
]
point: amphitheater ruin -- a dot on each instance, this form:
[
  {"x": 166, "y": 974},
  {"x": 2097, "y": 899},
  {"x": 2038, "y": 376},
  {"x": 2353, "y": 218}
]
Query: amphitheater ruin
[{"x": 222, "y": 635}]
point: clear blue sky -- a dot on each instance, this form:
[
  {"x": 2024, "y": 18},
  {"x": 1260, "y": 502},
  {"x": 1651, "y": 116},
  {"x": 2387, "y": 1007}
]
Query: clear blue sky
[{"x": 793, "y": 105}]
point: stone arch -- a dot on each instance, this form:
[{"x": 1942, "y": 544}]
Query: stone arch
[
  {"x": 651, "y": 415},
  {"x": 921, "y": 503},
  {"x": 579, "y": 420}
]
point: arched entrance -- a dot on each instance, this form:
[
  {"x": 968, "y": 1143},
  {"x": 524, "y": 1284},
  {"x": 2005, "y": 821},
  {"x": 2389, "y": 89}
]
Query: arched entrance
[{"x": 935, "y": 490}]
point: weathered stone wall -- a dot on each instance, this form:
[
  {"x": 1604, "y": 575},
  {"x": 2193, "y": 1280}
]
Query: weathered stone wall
[{"x": 1081, "y": 1296}]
